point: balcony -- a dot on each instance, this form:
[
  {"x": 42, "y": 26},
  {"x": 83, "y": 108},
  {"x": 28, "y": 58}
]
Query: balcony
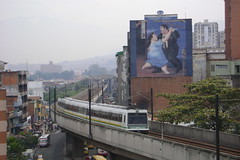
[
  {"x": 20, "y": 125},
  {"x": 18, "y": 114}
]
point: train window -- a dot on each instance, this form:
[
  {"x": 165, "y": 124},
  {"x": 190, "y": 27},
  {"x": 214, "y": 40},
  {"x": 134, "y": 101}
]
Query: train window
[
  {"x": 99, "y": 114},
  {"x": 104, "y": 115},
  {"x": 137, "y": 118},
  {"x": 108, "y": 115},
  {"x": 124, "y": 118},
  {"x": 74, "y": 108},
  {"x": 120, "y": 118},
  {"x": 80, "y": 110},
  {"x": 117, "y": 117},
  {"x": 114, "y": 117}
]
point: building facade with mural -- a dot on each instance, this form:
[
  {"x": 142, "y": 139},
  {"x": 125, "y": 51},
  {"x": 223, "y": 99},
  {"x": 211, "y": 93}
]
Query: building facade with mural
[{"x": 160, "y": 51}]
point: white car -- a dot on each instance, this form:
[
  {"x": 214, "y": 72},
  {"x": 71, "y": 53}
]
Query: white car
[{"x": 40, "y": 157}]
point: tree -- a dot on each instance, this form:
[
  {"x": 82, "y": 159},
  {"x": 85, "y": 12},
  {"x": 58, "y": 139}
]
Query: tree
[
  {"x": 197, "y": 105},
  {"x": 67, "y": 90},
  {"x": 17, "y": 145},
  {"x": 15, "y": 149},
  {"x": 67, "y": 75},
  {"x": 28, "y": 140},
  {"x": 95, "y": 70}
]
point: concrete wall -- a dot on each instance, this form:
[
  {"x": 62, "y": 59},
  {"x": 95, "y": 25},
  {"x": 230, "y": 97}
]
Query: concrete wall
[
  {"x": 203, "y": 135},
  {"x": 140, "y": 90},
  {"x": 199, "y": 67},
  {"x": 135, "y": 145},
  {"x": 123, "y": 76}
]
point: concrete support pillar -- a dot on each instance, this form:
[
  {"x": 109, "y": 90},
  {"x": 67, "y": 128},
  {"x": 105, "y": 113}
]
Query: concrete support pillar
[
  {"x": 74, "y": 147},
  {"x": 69, "y": 144},
  {"x": 78, "y": 145}
]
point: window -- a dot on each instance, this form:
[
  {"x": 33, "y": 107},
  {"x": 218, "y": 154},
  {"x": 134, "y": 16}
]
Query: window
[
  {"x": 137, "y": 118},
  {"x": 221, "y": 66},
  {"x": 212, "y": 68},
  {"x": 237, "y": 68}
]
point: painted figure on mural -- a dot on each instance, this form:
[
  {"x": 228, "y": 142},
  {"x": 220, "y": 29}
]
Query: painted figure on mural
[
  {"x": 155, "y": 55},
  {"x": 170, "y": 47}
]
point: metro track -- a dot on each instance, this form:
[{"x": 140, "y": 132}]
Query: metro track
[{"x": 191, "y": 142}]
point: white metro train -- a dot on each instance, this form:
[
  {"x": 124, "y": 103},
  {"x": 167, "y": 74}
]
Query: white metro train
[{"x": 111, "y": 115}]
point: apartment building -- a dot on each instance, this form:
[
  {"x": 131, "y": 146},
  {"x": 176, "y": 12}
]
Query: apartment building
[
  {"x": 224, "y": 61},
  {"x": 3, "y": 125},
  {"x": 206, "y": 35},
  {"x": 15, "y": 83},
  {"x": 229, "y": 68}
]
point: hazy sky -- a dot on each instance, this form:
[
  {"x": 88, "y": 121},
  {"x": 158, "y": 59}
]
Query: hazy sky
[{"x": 39, "y": 31}]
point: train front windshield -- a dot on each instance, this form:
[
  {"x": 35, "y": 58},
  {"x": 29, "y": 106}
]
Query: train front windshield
[{"x": 137, "y": 118}]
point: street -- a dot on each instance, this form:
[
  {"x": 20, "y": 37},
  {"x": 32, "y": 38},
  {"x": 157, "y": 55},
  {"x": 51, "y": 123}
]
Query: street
[{"x": 56, "y": 148}]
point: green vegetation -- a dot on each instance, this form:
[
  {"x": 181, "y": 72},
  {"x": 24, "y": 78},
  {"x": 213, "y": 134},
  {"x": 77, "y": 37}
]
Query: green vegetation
[
  {"x": 66, "y": 75},
  {"x": 67, "y": 90},
  {"x": 95, "y": 70},
  {"x": 197, "y": 105},
  {"x": 18, "y": 144}
]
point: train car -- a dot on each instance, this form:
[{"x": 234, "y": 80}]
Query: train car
[{"x": 111, "y": 115}]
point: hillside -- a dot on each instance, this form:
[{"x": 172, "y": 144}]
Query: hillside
[{"x": 107, "y": 61}]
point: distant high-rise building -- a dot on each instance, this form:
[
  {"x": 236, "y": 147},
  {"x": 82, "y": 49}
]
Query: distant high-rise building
[
  {"x": 229, "y": 68},
  {"x": 221, "y": 36},
  {"x": 206, "y": 35},
  {"x": 50, "y": 68}
]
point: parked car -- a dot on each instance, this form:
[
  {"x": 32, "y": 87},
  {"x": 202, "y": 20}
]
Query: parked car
[
  {"x": 40, "y": 157},
  {"x": 98, "y": 157},
  {"x": 102, "y": 152},
  {"x": 90, "y": 146},
  {"x": 85, "y": 150}
]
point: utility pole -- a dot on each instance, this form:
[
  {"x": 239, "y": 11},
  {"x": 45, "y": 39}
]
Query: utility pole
[
  {"x": 152, "y": 103},
  {"x": 65, "y": 89},
  {"x": 55, "y": 99},
  {"x": 102, "y": 95},
  {"x": 49, "y": 102},
  {"x": 217, "y": 128},
  {"x": 90, "y": 112}
]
